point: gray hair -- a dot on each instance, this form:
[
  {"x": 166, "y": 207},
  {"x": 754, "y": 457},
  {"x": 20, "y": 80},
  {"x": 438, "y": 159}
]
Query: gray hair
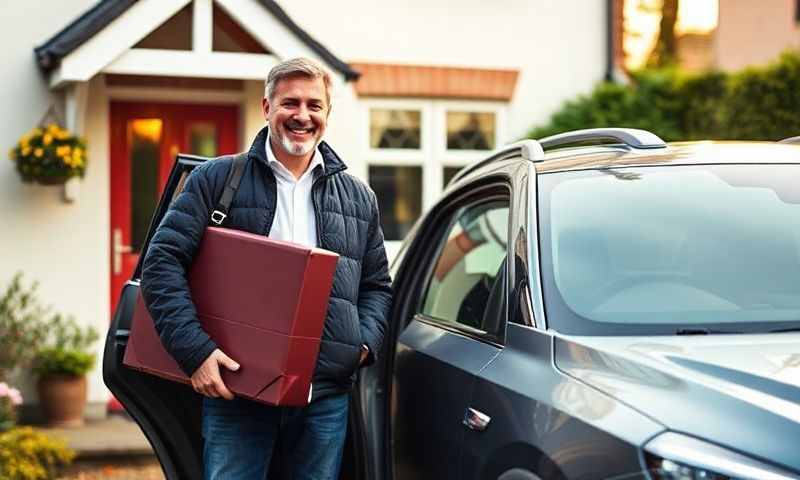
[{"x": 297, "y": 67}]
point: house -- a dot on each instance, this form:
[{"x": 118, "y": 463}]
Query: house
[
  {"x": 421, "y": 88},
  {"x": 754, "y": 36},
  {"x": 726, "y": 35}
]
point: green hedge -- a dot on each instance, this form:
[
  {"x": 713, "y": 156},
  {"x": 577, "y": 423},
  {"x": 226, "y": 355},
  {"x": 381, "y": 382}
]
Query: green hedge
[{"x": 754, "y": 104}]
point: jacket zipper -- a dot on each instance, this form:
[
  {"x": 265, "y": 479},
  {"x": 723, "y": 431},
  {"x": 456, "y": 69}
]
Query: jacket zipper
[{"x": 316, "y": 209}]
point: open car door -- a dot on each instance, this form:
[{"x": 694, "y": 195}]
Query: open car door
[{"x": 167, "y": 412}]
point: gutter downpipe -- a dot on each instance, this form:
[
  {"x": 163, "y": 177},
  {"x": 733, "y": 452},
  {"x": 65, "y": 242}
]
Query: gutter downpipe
[{"x": 609, "y": 77}]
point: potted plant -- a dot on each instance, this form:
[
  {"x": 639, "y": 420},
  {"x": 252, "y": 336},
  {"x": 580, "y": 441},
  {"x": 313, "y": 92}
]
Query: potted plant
[
  {"x": 61, "y": 363},
  {"x": 49, "y": 156}
]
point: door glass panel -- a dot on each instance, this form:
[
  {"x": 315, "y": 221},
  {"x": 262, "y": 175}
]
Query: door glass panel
[
  {"x": 203, "y": 139},
  {"x": 395, "y": 128},
  {"x": 399, "y": 192},
  {"x": 468, "y": 266},
  {"x": 144, "y": 140},
  {"x": 470, "y": 130}
]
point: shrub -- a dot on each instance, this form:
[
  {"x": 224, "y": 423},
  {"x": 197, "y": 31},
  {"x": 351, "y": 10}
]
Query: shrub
[
  {"x": 26, "y": 454},
  {"x": 23, "y": 325},
  {"x": 764, "y": 103},
  {"x": 754, "y": 104}
]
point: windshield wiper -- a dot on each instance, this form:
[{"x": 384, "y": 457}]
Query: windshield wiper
[
  {"x": 789, "y": 329},
  {"x": 702, "y": 331}
]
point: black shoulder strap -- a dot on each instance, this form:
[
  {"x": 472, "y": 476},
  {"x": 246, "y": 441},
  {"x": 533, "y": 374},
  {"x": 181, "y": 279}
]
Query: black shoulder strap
[{"x": 231, "y": 185}]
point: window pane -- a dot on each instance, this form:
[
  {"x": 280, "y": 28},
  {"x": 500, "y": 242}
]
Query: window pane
[
  {"x": 394, "y": 128},
  {"x": 449, "y": 173},
  {"x": 399, "y": 192},
  {"x": 470, "y": 130},
  {"x": 144, "y": 139},
  {"x": 203, "y": 139},
  {"x": 469, "y": 265}
]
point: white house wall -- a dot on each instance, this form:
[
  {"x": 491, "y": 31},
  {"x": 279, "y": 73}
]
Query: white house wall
[
  {"x": 559, "y": 46},
  {"x": 62, "y": 246}
]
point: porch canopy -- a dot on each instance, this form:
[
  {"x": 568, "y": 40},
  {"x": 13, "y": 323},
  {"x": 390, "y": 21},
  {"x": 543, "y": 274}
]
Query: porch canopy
[{"x": 174, "y": 41}]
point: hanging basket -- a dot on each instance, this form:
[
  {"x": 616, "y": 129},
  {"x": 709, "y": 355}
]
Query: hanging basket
[
  {"x": 50, "y": 180},
  {"x": 49, "y": 155}
]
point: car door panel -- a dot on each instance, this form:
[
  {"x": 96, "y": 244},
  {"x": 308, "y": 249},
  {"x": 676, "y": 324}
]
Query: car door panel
[
  {"x": 542, "y": 420},
  {"x": 433, "y": 377},
  {"x": 445, "y": 345},
  {"x": 167, "y": 412}
]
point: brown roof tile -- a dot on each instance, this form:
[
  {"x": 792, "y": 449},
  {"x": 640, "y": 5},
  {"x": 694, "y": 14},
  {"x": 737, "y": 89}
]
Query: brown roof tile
[{"x": 384, "y": 80}]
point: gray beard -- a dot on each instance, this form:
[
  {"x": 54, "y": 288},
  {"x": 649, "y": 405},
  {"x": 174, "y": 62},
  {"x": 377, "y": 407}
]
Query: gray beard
[{"x": 296, "y": 149}]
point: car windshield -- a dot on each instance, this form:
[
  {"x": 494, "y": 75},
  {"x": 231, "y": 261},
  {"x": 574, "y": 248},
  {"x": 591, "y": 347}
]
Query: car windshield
[{"x": 673, "y": 249}]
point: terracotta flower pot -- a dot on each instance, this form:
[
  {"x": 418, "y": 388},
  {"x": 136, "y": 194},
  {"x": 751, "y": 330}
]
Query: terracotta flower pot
[{"x": 62, "y": 399}]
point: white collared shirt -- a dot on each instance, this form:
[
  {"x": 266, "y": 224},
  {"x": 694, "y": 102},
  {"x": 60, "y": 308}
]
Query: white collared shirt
[{"x": 295, "y": 220}]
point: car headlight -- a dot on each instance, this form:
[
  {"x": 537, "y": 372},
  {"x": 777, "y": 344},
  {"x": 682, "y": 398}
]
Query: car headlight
[{"x": 672, "y": 456}]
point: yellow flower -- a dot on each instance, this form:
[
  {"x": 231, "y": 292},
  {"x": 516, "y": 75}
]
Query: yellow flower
[
  {"x": 62, "y": 135},
  {"x": 35, "y": 132},
  {"x": 26, "y": 150},
  {"x": 77, "y": 152},
  {"x": 63, "y": 150},
  {"x": 38, "y": 152},
  {"x": 53, "y": 128},
  {"x": 47, "y": 139}
]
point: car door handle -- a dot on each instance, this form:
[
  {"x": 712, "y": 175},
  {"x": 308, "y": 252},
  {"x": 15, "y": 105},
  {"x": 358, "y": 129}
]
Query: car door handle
[{"x": 476, "y": 420}]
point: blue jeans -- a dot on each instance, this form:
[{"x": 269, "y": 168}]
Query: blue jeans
[{"x": 240, "y": 436}]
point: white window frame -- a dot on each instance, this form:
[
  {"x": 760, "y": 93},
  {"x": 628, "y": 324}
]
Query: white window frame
[
  {"x": 454, "y": 158},
  {"x": 397, "y": 156},
  {"x": 433, "y": 155}
]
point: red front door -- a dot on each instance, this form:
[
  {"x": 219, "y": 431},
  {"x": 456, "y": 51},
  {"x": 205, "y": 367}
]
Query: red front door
[{"x": 145, "y": 137}]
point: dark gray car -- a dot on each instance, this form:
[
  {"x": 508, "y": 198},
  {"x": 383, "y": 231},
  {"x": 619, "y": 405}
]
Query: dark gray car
[{"x": 626, "y": 310}]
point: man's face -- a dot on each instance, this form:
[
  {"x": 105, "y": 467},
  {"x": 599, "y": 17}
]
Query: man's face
[{"x": 297, "y": 114}]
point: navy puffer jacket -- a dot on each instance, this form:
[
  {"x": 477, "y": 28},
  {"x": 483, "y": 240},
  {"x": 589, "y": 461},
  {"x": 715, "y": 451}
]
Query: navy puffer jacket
[{"x": 347, "y": 223}]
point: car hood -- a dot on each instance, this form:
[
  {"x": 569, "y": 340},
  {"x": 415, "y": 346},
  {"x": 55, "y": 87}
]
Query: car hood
[{"x": 739, "y": 391}]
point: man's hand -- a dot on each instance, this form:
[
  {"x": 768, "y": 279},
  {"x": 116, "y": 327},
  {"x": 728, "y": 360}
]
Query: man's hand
[
  {"x": 364, "y": 355},
  {"x": 207, "y": 381}
]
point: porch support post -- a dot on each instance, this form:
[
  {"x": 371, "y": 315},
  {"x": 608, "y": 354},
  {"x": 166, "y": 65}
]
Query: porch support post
[
  {"x": 76, "y": 100},
  {"x": 202, "y": 25}
]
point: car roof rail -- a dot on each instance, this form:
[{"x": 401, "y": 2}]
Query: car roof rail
[
  {"x": 791, "y": 140},
  {"x": 533, "y": 150},
  {"x": 631, "y": 137},
  {"x": 529, "y": 149}
]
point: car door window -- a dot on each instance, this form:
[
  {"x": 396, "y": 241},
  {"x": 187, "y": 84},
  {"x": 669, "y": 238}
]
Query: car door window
[{"x": 468, "y": 276}]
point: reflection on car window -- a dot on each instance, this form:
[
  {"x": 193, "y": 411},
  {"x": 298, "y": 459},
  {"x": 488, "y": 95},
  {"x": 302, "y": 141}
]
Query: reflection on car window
[
  {"x": 697, "y": 245},
  {"x": 468, "y": 269}
]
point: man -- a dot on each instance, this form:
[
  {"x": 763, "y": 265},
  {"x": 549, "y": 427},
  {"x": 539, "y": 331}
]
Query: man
[{"x": 294, "y": 188}]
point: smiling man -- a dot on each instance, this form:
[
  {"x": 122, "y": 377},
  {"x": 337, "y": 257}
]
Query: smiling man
[{"x": 295, "y": 189}]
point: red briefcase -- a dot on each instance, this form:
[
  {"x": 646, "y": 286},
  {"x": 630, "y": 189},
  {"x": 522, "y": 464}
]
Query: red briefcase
[{"x": 263, "y": 302}]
